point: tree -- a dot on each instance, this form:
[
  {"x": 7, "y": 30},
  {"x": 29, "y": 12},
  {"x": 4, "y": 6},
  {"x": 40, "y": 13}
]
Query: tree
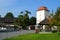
[
  {"x": 32, "y": 21},
  {"x": 26, "y": 18},
  {"x": 51, "y": 21},
  {"x": 9, "y": 15},
  {"x": 56, "y": 19},
  {"x": 19, "y": 20},
  {"x": 23, "y": 19}
]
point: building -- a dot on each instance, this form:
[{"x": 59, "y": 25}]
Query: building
[
  {"x": 7, "y": 23},
  {"x": 42, "y": 17}
]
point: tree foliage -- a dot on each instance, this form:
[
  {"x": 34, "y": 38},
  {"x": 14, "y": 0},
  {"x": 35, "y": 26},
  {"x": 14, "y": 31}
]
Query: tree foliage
[
  {"x": 32, "y": 21},
  {"x": 23, "y": 18},
  {"x": 57, "y": 17},
  {"x": 9, "y": 15}
]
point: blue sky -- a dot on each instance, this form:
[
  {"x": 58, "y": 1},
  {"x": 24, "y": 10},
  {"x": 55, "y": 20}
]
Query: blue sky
[{"x": 15, "y": 6}]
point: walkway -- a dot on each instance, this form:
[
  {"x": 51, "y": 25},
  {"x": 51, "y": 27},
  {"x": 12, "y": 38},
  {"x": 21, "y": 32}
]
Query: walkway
[{"x": 16, "y": 33}]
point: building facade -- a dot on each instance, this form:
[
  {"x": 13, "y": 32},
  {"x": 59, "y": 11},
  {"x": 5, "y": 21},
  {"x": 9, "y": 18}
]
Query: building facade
[
  {"x": 7, "y": 23},
  {"x": 42, "y": 17}
]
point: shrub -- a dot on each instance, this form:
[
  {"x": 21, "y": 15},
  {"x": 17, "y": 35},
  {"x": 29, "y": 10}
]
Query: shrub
[{"x": 54, "y": 31}]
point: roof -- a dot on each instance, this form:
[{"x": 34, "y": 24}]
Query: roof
[
  {"x": 4, "y": 21},
  {"x": 42, "y": 8},
  {"x": 7, "y": 20},
  {"x": 44, "y": 22}
]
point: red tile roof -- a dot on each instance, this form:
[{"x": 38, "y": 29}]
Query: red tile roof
[{"x": 42, "y": 8}]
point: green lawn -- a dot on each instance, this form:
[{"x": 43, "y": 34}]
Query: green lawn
[{"x": 36, "y": 37}]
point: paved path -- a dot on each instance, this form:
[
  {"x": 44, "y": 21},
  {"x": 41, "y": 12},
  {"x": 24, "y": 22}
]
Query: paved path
[{"x": 11, "y": 34}]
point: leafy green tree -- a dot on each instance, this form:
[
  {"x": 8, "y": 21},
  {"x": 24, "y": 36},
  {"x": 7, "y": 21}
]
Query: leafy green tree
[
  {"x": 57, "y": 14},
  {"x": 32, "y": 21},
  {"x": 56, "y": 19},
  {"x": 9, "y": 15},
  {"x": 23, "y": 18},
  {"x": 26, "y": 18},
  {"x": 51, "y": 21}
]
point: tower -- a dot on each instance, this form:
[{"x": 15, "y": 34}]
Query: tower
[{"x": 42, "y": 13}]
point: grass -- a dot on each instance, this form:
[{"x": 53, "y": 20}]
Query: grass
[{"x": 36, "y": 37}]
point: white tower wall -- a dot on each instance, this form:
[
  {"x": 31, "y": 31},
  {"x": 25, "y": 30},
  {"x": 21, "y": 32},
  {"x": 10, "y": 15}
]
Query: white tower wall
[{"x": 41, "y": 15}]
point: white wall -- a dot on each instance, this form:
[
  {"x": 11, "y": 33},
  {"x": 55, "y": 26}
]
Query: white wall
[
  {"x": 40, "y": 16},
  {"x": 44, "y": 27}
]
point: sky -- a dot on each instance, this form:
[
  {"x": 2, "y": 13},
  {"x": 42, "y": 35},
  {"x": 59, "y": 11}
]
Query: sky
[{"x": 16, "y": 6}]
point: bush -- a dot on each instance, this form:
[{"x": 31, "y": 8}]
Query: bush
[{"x": 54, "y": 31}]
